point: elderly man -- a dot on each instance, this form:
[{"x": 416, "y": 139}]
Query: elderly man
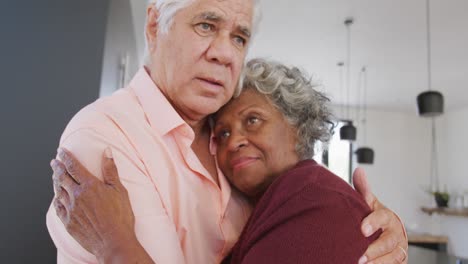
[{"x": 156, "y": 131}]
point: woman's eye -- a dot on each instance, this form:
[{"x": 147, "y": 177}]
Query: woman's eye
[
  {"x": 252, "y": 120},
  {"x": 223, "y": 134}
]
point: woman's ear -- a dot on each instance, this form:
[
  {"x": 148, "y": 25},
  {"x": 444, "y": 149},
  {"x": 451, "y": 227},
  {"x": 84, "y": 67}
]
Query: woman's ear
[{"x": 151, "y": 28}]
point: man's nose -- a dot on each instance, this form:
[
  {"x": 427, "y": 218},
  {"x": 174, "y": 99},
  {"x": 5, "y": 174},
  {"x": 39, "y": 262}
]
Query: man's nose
[{"x": 222, "y": 49}]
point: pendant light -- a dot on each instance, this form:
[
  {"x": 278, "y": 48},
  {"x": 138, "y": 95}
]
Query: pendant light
[
  {"x": 430, "y": 103},
  {"x": 348, "y": 131},
  {"x": 365, "y": 155}
]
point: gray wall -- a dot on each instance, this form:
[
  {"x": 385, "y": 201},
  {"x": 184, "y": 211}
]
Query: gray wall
[
  {"x": 50, "y": 66},
  {"x": 120, "y": 40}
]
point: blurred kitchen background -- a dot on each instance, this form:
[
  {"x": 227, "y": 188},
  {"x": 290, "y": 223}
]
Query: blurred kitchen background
[{"x": 58, "y": 56}]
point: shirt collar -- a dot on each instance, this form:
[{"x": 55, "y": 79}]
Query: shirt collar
[{"x": 160, "y": 113}]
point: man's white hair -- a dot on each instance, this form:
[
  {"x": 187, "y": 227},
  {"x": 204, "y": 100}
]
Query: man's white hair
[{"x": 167, "y": 10}]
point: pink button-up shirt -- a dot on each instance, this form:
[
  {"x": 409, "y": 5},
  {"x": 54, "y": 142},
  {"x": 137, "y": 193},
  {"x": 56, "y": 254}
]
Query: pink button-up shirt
[{"x": 182, "y": 215}]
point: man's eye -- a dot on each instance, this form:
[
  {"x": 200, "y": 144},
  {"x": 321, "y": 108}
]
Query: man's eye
[
  {"x": 205, "y": 27},
  {"x": 240, "y": 41}
]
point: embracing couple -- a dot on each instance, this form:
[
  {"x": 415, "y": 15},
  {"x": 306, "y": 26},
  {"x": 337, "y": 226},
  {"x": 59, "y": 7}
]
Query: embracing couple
[{"x": 206, "y": 159}]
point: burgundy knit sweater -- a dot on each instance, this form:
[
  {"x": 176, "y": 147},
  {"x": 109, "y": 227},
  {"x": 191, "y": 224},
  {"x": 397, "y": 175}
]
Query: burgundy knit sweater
[{"x": 307, "y": 215}]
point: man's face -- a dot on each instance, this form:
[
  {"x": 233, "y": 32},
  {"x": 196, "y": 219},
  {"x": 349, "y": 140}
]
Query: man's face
[{"x": 198, "y": 62}]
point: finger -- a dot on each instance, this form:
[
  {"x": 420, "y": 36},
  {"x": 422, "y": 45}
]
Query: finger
[
  {"x": 384, "y": 245},
  {"x": 56, "y": 184},
  {"x": 62, "y": 179},
  {"x": 378, "y": 219},
  {"x": 109, "y": 170},
  {"x": 60, "y": 193},
  {"x": 63, "y": 197},
  {"x": 61, "y": 211},
  {"x": 76, "y": 170},
  {"x": 362, "y": 186},
  {"x": 396, "y": 256}
]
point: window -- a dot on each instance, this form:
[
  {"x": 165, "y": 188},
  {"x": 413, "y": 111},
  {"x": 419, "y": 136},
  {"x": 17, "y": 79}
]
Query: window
[{"x": 338, "y": 156}]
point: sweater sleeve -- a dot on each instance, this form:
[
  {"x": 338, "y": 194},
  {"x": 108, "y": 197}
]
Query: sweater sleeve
[{"x": 315, "y": 226}]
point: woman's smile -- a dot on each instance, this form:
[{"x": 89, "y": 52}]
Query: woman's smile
[{"x": 242, "y": 162}]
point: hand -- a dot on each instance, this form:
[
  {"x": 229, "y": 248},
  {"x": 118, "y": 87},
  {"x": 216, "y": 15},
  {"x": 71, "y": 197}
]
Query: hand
[
  {"x": 392, "y": 245},
  {"x": 97, "y": 214}
]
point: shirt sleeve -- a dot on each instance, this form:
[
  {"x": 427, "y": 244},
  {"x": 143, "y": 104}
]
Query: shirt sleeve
[
  {"x": 325, "y": 231},
  {"x": 154, "y": 229}
]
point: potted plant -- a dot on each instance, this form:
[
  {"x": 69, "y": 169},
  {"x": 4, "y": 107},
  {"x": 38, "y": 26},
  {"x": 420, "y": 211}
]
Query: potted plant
[{"x": 441, "y": 198}]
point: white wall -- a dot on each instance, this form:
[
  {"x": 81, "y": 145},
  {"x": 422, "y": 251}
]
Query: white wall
[
  {"x": 454, "y": 172},
  {"x": 400, "y": 173},
  {"x": 453, "y": 149}
]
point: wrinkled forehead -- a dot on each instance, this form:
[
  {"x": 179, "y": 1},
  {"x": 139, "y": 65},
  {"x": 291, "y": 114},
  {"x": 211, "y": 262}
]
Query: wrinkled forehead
[{"x": 238, "y": 12}]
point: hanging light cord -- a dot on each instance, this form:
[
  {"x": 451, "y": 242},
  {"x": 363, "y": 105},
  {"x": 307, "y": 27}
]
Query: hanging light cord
[
  {"x": 434, "y": 164},
  {"x": 434, "y": 158},
  {"x": 428, "y": 29},
  {"x": 340, "y": 65},
  {"x": 348, "y": 24},
  {"x": 360, "y": 107},
  {"x": 364, "y": 121}
]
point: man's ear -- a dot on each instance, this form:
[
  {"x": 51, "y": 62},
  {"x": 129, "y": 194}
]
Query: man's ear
[{"x": 151, "y": 28}]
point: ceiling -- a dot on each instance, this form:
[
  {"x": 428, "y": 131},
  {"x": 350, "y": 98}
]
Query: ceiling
[{"x": 388, "y": 37}]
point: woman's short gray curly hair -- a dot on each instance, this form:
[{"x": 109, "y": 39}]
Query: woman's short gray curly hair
[{"x": 293, "y": 93}]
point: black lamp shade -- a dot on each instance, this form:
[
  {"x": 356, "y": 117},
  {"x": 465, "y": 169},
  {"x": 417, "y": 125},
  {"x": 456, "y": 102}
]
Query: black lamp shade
[
  {"x": 348, "y": 132},
  {"x": 365, "y": 155},
  {"x": 430, "y": 103}
]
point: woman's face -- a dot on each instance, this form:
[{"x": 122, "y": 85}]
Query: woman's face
[{"x": 255, "y": 143}]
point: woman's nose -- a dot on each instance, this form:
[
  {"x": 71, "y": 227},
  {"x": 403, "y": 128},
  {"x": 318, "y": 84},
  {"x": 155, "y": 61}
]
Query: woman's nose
[{"x": 237, "y": 140}]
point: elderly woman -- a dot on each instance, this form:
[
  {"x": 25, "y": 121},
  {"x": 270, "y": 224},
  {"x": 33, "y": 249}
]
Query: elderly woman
[{"x": 265, "y": 140}]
